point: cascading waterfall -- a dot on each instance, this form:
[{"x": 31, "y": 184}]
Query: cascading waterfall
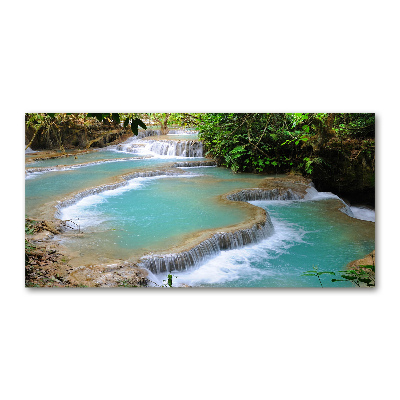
[
  {"x": 208, "y": 248},
  {"x": 194, "y": 164},
  {"x": 103, "y": 188},
  {"x": 158, "y": 263},
  {"x": 262, "y": 194},
  {"x": 313, "y": 194},
  {"x": 223, "y": 240},
  {"x": 177, "y": 148}
]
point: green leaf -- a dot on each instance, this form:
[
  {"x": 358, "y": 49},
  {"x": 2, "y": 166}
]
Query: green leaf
[
  {"x": 351, "y": 278},
  {"x": 126, "y": 122},
  {"x": 134, "y": 127},
  {"x": 141, "y": 123}
]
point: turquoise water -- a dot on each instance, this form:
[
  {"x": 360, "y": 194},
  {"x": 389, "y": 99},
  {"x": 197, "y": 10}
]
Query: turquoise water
[
  {"x": 157, "y": 213},
  {"x": 80, "y": 158},
  {"x": 54, "y": 185},
  {"x": 307, "y": 234},
  {"x": 153, "y": 214},
  {"x": 227, "y": 174},
  {"x": 191, "y": 136}
]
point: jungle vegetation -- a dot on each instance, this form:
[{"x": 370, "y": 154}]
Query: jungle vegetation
[{"x": 336, "y": 150}]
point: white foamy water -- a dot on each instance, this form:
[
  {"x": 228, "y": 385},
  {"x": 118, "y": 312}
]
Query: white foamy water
[
  {"x": 231, "y": 265},
  {"x": 33, "y": 175},
  {"x": 182, "y": 132},
  {"x": 363, "y": 213},
  {"x": 244, "y": 263},
  {"x": 84, "y": 212},
  {"x": 161, "y": 148},
  {"x": 313, "y": 194}
]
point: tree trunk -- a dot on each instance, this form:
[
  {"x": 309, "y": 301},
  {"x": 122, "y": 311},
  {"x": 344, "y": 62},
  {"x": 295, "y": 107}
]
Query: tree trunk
[
  {"x": 33, "y": 138},
  {"x": 164, "y": 125}
]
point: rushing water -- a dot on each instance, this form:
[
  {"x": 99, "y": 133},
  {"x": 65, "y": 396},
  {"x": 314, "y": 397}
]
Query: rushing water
[
  {"x": 150, "y": 214},
  {"x": 306, "y": 234},
  {"x": 155, "y": 213},
  {"x": 53, "y": 185}
]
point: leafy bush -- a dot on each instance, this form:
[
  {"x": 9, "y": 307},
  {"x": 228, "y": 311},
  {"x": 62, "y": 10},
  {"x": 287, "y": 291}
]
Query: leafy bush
[{"x": 252, "y": 142}]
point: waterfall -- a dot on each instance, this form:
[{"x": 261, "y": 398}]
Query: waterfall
[
  {"x": 178, "y": 148},
  {"x": 313, "y": 194},
  {"x": 222, "y": 240},
  {"x": 148, "y": 132},
  {"x": 191, "y": 164},
  {"x": 182, "y": 132},
  {"x": 262, "y": 194},
  {"x": 173, "y": 148},
  {"x": 208, "y": 248},
  {"x": 99, "y": 189}
]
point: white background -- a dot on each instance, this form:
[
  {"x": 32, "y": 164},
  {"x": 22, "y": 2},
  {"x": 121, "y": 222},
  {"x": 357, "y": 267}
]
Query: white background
[{"x": 251, "y": 56}]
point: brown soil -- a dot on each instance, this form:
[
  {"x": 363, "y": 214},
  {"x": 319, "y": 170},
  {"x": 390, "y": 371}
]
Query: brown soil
[{"x": 369, "y": 259}]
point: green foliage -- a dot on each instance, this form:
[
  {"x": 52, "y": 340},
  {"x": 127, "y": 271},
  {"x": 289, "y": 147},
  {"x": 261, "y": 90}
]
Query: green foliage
[
  {"x": 129, "y": 119},
  {"x": 359, "y": 277},
  {"x": 167, "y": 282},
  {"x": 52, "y": 129},
  {"x": 309, "y": 164},
  {"x": 253, "y": 142},
  {"x": 29, "y": 230},
  {"x": 166, "y": 120},
  {"x": 29, "y": 226},
  {"x": 317, "y": 274},
  {"x": 170, "y": 280},
  {"x": 336, "y": 150},
  {"x": 29, "y": 246}
]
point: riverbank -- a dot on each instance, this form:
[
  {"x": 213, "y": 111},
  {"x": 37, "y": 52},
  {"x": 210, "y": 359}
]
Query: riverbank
[
  {"x": 364, "y": 268},
  {"x": 47, "y": 264}
]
